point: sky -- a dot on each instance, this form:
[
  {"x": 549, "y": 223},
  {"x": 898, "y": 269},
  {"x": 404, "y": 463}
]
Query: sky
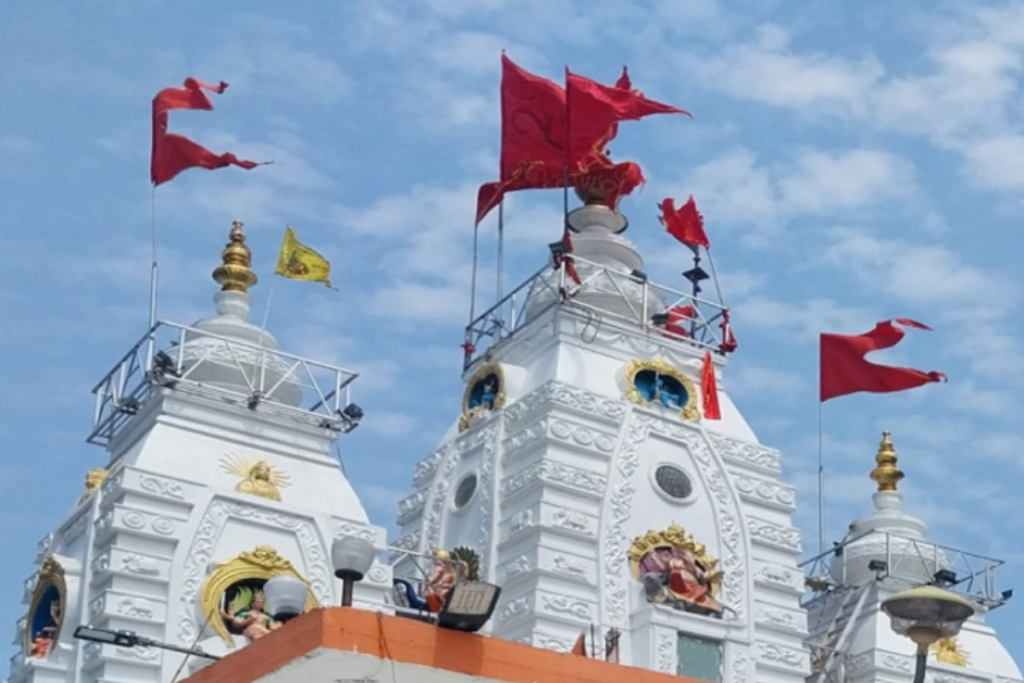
[{"x": 853, "y": 161}]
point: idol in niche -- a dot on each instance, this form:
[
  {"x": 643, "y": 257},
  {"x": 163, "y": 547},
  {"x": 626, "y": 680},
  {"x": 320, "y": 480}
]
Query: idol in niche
[
  {"x": 485, "y": 393},
  {"x": 676, "y": 571}
]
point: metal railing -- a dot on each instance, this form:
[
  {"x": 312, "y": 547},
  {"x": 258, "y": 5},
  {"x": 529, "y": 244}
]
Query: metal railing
[
  {"x": 182, "y": 358},
  {"x": 628, "y": 300},
  {"x": 909, "y": 559}
]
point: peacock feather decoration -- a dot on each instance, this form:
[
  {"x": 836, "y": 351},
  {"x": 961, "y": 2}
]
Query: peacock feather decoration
[{"x": 469, "y": 559}]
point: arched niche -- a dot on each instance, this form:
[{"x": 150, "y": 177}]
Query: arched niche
[
  {"x": 46, "y": 610},
  {"x": 248, "y": 571}
]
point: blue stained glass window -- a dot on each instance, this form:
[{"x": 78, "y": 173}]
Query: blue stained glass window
[{"x": 699, "y": 658}]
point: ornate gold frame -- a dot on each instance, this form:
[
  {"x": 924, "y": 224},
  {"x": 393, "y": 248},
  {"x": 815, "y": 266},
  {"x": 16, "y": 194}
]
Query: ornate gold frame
[
  {"x": 674, "y": 536},
  {"x": 51, "y": 574},
  {"x": 689, "y": 412},
  {"x": 262, "y": 562},
  {"x": 499, "y": 398}
]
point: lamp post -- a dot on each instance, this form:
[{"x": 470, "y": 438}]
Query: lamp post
[
  {"x": 285, "y": 596},
  {"x": 352, "y": 558},
  {"x": 926, "y": 614}
]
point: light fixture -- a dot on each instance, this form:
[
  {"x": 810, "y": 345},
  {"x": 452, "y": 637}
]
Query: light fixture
[
  {"x": 1007, "y": 594},
  {"x": 352, "y": 558},
  {"x": 350, "y": 416},
  {"x": 285, "y": 596},
  {"x": 660, "y": 319},
  {"x": 557, "y": 250},
  {"x": 468, "y": 605},
  {"x": 638, "y": 275},
  {"x": 926, "y": 614},
  {"x": 944, "y": 577},
  {"x": 878, "y": 566},
  {"x": 132, "y": 639}
]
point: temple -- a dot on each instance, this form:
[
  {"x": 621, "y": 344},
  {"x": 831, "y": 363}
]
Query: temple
[{"x": 597, "y": 510}]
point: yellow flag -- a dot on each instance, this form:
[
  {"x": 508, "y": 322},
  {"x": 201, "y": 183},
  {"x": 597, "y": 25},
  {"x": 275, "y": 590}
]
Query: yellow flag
[{"x": 299, "y": 262}]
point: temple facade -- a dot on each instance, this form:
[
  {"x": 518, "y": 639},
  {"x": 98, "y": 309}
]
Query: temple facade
[
  {"x": 220, "y": 476},
  {"x": 599, "y": 496}
]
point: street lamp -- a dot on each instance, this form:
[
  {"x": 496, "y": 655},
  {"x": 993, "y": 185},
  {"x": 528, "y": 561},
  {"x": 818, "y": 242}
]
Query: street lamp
[
  {"x": 285, "y": 596},
  {"x": 926, "y": 614},
  {"x": 352, "y": 558}
]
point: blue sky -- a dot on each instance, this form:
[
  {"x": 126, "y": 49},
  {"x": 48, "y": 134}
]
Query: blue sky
[{"x": 853, "y": 162}]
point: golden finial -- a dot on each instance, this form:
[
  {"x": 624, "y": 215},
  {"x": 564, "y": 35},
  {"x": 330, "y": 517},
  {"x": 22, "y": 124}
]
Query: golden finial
[
  {"x": 887, "y": 474},
  {"x": 234, "y": 274}
]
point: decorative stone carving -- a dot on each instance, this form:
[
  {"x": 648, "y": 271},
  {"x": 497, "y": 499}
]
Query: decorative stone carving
[
  {"x": 133, "y": 607},
  {"x": 572, "y": 520},
  {"x": 614, "y": 540},
  {"x": 747, "y": 454},
  {"x": 348, "y": 530},
  {"x": 76, "y": 527},
  {"x": 561, "y": 604},
  {"x": 767, "y": 533},
  {"x": 513, "y": 609},
  {"x": 200, "y": 553},
  {"x": 45, "y": 543},
  {"x": 555, "y": 644},
  {"x": 564, "y": 565},
  {"x": 409, "y": 541},
  {"x": 520, "y": 441},
  {"x": 586, "y": 402},
  {"x": 740, "y": 665},
  {"x": 484, "y": 485},
  {"x": 583, "y": 436},
  {"x": 161, "y": 487},
  {"x": 726, "y": 509},
  {"x": 521, "y": 521},
  {"x": 519, "y": 565},
  {"x": 891, "y": 660},
  {"x": 780, "y": 654},
  {"x": 439, "y": 494},
  {"x": 580, "y": 480},
  {"x": 780, "y": 619},
  {"x": 411, "y": 506},
  {"x": 769, "y": 493},
  {"x": 133, "y": 520},
  {"x": 426, "y": 468},
  {"x": 779, "y": 577},
  {"x": 137, "y": 564},
  {"x": 665, "y": 651},
  {"x": 162, "y": 526}
]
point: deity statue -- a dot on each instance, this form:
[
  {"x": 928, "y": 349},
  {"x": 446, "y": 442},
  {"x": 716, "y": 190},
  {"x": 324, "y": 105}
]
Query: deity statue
[
  {"x": 489, "y": 394},
  {"x": 442, "y": 578},
  {"x": 259, "y": 478},
  {"x": 676, "y": 571},
  {"x": 948, "y": 651},
  {"x": 246, "y": 614},
  {"x": 94, "y": 479},
  {"x": 43, "y": 640}
]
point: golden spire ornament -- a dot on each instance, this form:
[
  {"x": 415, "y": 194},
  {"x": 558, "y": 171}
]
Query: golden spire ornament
[
  {"x": 234, "y": 274},
  {"x": 887, "y": 474}
]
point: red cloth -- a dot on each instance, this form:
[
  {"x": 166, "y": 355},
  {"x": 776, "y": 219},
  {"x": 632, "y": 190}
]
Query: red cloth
[
  {"x": 173, "y": 153},
  {"x": 594, "y": 111},
  {"x": 534, "y": 126},
  {"x": 728, "y": 343},
  {"x": 678, "y": 316},
  {"x": 685, "y": 224},
  {"x": 844, "y": 369},
  {"x": 580, "y": 648},
  {"x": 566, "y": 259},
  {"x": 709, "y": 389}
]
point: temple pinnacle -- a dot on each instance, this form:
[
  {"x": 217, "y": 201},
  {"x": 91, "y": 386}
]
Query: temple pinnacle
[
  {"x": 887, "y": 474},
  {"x": 234, "y": 274}
]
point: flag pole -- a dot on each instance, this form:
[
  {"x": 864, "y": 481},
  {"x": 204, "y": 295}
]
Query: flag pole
[
  {"x": 266, "y": 307},
  {"x": 501, "y": 252},
  {"x": 821, "y": 483},
  {"x": 154, "y": 276},
  {"x": 472, "y": 281}
]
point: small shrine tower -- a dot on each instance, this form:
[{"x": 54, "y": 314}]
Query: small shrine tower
[
  {"x": 583, "y": 472},
  {"x": 220, "y": 477},
  {"x": 885, "y": 552}
]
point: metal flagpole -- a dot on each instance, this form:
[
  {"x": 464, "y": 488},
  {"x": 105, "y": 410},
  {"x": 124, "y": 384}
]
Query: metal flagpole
[
  {"x": 472, "y": 282},
  {"x": 501, "y": 252},
  {"x": 821, "y": 483},
  {"x": 154, "y": 276}
]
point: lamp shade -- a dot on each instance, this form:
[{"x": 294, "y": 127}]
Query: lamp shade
[
  {"x": 285, "y": 596},
  {"x": 352, "y": 558},
  {"x": 926, "y": 613}
]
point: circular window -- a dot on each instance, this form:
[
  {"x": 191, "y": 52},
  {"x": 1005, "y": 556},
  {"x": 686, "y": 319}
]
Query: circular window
[
  {"x": 464, "y": 491},
  {"x": 673, "y": 482}
]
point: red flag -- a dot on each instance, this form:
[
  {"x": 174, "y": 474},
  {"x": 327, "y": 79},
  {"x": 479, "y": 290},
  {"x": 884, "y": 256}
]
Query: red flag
[
  {"x": 685, "y": 224},
  {"x": 173, "y": 153},
  {"x": 595, "y": 109},
  {"x": 844, "y": 369},
  {"x": 728, "y": 343},
  {"x": 675, "y": 318},
  {"x": 580, "y": 648},
  {"x": 709, "y": 389},
  {"x": 533, "y": 146},
  {"x": 566, "y": 259}
]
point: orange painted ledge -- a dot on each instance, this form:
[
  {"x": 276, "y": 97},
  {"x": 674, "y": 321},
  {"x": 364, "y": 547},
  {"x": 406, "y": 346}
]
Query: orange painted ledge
[{"x": 413, "y": 642}]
